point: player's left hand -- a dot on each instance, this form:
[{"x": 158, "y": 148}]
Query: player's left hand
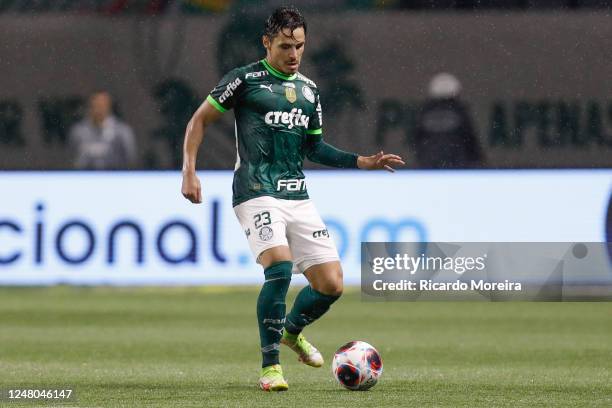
[{"x": 380, "y": 161}]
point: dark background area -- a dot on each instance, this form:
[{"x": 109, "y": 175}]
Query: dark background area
[{"x": 533, "y": 77}]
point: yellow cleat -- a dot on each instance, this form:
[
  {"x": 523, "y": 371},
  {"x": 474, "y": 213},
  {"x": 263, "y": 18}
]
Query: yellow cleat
[
  {"x": 307, "y": 353},
  {"x": 272, "y": 379}
]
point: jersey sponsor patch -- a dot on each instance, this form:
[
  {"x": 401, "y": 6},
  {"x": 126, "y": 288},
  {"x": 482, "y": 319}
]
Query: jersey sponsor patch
[
  {"x": 291, "y": 185},
  {"x": 291, "y": 119},
  {"x": 229, "y": 90},
  {"x": 308, "y": 94},
  {"x": 256, "y": 74}
]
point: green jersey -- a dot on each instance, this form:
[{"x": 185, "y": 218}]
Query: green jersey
[{"x": 275, "y": 115}]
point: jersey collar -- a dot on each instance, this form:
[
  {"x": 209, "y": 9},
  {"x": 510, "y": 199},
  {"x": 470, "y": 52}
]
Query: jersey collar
[{"x": 276, "y": 72}]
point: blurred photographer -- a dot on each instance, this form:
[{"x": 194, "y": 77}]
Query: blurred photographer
[{"x": 445, "y": 136}]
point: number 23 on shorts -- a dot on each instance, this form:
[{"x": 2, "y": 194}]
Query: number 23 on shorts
[{"x": 261, "y": 219}]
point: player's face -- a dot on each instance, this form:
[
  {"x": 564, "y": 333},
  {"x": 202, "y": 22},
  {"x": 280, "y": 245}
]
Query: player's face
[{"x": 285, "y": 50}]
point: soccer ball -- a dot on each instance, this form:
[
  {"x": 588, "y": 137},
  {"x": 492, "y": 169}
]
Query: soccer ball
[{"x": 357, "y": 366}]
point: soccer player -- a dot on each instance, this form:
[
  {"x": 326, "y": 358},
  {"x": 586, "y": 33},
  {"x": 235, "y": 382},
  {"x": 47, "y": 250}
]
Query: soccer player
[{"x": 278, "y": 124}]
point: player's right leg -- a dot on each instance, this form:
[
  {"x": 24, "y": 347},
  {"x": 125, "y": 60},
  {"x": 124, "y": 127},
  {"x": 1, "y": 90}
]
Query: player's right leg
[
  {"x": 264, "y": 226},
  {"x": 271, "y": 310}
]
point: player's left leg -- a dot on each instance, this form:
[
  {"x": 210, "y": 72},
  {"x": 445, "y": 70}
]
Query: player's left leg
[
  {"x": 314, "y": 300},
  {"x": 311, "y": 303},
  {"x": 314, "y": 254}
]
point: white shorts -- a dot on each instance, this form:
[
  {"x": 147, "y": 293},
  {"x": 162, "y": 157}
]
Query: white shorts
[{"x": 270, "y": 222}]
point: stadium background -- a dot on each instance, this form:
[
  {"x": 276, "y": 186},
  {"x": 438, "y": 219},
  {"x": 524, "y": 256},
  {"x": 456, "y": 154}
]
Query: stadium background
[{"x": 535, "y": 75}]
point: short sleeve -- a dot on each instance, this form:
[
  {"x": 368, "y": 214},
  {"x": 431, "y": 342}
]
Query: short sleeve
[
  {"x": 224, "y": 95},
  {"x": 315, "y": 123}
]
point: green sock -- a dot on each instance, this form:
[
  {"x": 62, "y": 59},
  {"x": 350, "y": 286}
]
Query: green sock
[
  {"x": 271, "y": 310},
  {"x": 309, "y": 305}
]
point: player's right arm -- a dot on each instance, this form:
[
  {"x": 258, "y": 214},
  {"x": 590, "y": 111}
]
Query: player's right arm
[
  {"x": 205, "y": 115},
  {"x": 222, "y": 98}
]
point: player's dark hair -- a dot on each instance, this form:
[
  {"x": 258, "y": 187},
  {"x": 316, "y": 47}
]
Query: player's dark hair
[{"x": 284, "y": 17}]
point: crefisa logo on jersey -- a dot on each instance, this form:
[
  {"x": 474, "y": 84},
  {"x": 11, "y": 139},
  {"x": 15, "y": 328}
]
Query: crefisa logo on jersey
[
  {"x": 308, "y": 94},
  {"x": 229, "y": 90},
  {"x": 291, "y": 119}
]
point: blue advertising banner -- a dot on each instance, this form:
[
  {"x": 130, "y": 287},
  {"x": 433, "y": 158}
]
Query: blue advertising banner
[{"x": 135, "y": 228}]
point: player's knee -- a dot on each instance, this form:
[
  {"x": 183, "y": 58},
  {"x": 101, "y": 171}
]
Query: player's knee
[
  {"x": 332, "y": 285},
  {"x": 329, "y": 288},
  {"x": 336, "y": 289},
  {"x": 274, "y": 255},
  {"x": 339, "y": 285}
]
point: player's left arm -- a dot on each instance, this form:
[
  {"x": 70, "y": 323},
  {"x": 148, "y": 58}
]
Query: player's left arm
[
  {"x": 318, "y": 151},
  {"x": 321, "y": 152}
]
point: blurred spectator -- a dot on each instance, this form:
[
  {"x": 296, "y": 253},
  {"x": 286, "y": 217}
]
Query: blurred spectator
[
  {"x": 102, "y": 141},
  {"x": 445, "y": 136}
]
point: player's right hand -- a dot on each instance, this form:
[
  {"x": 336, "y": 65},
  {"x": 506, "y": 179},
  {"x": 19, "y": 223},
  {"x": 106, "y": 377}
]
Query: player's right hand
[{"x": 191, "y": 188}]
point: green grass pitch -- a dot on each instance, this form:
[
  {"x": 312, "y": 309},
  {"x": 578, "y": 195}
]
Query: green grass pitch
[{"x": 195, "y": 347}]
